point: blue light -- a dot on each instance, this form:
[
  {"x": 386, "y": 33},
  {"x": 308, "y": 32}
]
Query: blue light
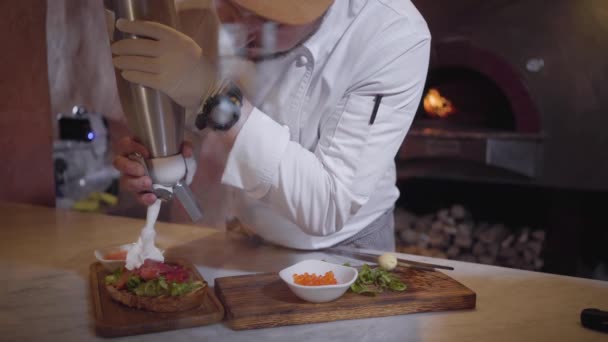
[{"x": 91, "y": 136}]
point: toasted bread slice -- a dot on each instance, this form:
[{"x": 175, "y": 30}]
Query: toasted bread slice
[
  {"x": 159, "y": 303},
  {"x": 163, "y": 303}
]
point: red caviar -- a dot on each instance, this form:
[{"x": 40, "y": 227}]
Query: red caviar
[
  {"x": 314, "y": 279},
  {"x": 117, "y": 255}
]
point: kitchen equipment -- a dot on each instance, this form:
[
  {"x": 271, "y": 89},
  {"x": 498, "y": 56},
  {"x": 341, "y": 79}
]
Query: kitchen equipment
[
  {"x": 264, "y": 300},
  {"x": 80, "y": 157},
  {"x": 156, "y": 120},
  {"x": 344, "y": 275},
  {"x": 113, "y": 319},
  {"x": 372, "y": 256}
]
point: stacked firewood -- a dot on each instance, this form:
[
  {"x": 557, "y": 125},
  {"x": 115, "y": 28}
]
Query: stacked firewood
[{"x": 452, "y": 233}]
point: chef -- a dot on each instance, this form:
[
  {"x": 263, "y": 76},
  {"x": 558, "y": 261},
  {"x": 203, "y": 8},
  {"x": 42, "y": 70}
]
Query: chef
[{"x": 305, "y": 151}]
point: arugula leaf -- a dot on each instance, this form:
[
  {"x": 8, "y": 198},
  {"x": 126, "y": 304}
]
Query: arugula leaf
[
  {"x": 162, "y": 283},
  {"x": 139, "y": 290},
  {"x": 151, "y": 288},
  {"x": 160, "y": 286},
  {"x": 178, "y": 289},
  {"x": 362, "y": 289},
  {"x": 367, "y": 275},
  {"x": 111, "y": 279},
  {"x": 372, "y": 281},
  {"x": 397, "y": 285},
  {"x": 133, "y": 282}
]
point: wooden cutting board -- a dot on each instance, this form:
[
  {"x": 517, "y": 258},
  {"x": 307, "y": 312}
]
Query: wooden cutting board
[
  {"x": 264, "y": 300},
  {"x": 113, "y": 319}
]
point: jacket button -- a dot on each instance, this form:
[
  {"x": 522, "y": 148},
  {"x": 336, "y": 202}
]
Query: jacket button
[{"x": 302, "y": 60}]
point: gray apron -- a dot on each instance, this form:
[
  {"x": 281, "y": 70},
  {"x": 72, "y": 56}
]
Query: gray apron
[{"x": 379, "y": 235}]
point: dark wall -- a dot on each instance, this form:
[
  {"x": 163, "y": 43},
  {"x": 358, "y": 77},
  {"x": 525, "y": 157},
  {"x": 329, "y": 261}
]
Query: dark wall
[
  {"x": 26, "y": 174},
  {"x": 571, "y": 91}
]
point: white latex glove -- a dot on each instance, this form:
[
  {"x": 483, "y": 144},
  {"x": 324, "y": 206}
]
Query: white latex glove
[{"x": 168, "y": 61}]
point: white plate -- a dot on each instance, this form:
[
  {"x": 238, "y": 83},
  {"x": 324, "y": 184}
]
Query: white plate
[{"x": 344, "y": 275}]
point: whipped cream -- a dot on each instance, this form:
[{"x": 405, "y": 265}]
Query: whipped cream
[{"x": 145, "y": 248}]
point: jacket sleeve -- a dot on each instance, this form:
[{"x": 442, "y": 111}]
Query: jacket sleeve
[{"x": 320, "y": 190}]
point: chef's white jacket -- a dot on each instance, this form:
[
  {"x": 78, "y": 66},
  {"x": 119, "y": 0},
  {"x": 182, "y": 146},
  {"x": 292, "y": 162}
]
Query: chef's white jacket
[{"x": 308, "y": 168}]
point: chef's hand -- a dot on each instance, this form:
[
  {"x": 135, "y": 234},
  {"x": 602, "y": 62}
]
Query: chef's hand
[
  {"x": 168, "y": 61},
  {"x": 132, "y": 174}
]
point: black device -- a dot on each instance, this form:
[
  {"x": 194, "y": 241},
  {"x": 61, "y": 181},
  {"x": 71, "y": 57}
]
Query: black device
[
  {"x": 595, "y": 319},
  {"x": 221, "y": 111},
  {"x": 76, "y": 129}
]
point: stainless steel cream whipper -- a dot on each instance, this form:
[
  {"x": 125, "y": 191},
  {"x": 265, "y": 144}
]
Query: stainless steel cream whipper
[{"x": 156, "y": 120}]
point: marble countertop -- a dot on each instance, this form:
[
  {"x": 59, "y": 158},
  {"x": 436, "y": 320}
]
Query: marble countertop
[{"x": 45, "y": 256}]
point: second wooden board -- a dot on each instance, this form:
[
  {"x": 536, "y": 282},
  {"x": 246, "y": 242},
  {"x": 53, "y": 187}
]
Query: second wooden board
[{"x": 264, "y": 300}]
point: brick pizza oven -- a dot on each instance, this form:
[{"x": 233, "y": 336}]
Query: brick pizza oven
[
  {"x": 476, "y": 120},
  {"x": 511, "y": 128}
]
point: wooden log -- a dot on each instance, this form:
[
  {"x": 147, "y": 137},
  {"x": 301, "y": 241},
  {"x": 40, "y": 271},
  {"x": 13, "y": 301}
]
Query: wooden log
[
  {"x": 481, "y": 226},
  {"x": 519, "y": 246},
  {"x": 409, "y": 236},
  {"x": 437, "y": 240},
  {"x": 507, "y": 242},
  {"x": 524, "y": 235},
  {"x": 453, "y": 252},
  {"x": 500, "y": 231},
  {"x": 507, "y": 253},
  {"x": 458, "y": 212},
  {"x": 436, "y": 253},
  {"x": 450, "y": 229},
  {"x": 443, "y": 215},
  {"x": 423, "y": 224},
  {"x": 511, "y": 262},
  {"x": 423, "y": 241},
  {"x": 449, "y": 221},
  {"x": 479, "y": 249},
  {"x": 465, "y": 229},
  {"x": 528, "y": 256},
  {"x": 436, "y": 227},
  {"x": 463, "y": 241},
  {"x": 487, "y": 259},
  {"x": 487, "y": 236},
  {"x": 400, "y": 226},
  {"x": 536, "y": 247},
  {"x": 539, "y": 235},
  {"x": 492, "y": 249},
  {"x": 404, "y": 220},
  {"x": 467, "y": 258}
]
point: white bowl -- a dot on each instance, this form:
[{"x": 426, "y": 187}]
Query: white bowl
[
  {"x": 112, "y": 265},
  {"x": 344, "y": 275}
]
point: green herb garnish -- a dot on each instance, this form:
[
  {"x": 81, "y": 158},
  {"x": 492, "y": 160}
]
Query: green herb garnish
[
  {"x": 154, "y": 287},
  {"x": 111, "y": 279},
  {"x": 178, "y": 289},
  {"x": 133, "y": 282},
  {"x": 160, "y": 287},
  {"x": 372, "y": 281}
]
